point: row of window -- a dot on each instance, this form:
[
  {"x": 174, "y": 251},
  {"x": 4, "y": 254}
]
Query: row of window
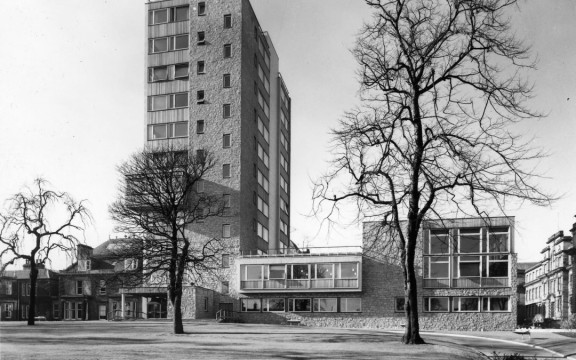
[
  {"x": 181, "y": 13},
  {"x": 461, "y": 304},
  {"x": 467, "y": 240},
  {"x": 438, "y": 267},
  {"x": 302, "y": 305},
  {"x": 261, "y": 231},
  {"x": 299, "y": 271}
]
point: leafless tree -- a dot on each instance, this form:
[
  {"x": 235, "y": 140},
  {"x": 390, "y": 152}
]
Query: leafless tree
[
  {"x": 161, "y": 197},
  {"x": 38, "y": 224},
  {"x": 442, "y": 85}
]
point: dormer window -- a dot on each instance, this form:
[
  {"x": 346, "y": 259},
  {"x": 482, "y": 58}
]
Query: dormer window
[
  {"x": 84, "y": 265},
  {"x": 130, "y": 264}
]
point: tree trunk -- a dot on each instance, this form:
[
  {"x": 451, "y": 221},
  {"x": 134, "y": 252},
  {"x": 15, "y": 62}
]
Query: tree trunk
[
  {"x": 177, "y": 321},
  {"x": 32, "y": 303},
  {"x": 412, "y": 332}
]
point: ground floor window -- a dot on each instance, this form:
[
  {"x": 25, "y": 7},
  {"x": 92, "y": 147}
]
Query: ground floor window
[
  {"x": 326, "y": 305},
  {"x": 24, "y": 309},
  {"x": 73, "y": 310},
  {"x": 466, "y": 304},
  {"x": 399, "y": 304},
  {"x": 251, "y": 305},
  {"x": 495, "y": 304},
  {"x": 299, "y": 305},
  {"x": 350, "y": 305},
  {"x": 274, "y": 305},
  {"x": 7, "y": 310},
  {"x": 436, "y": 304},
  {"x": 56, "y": 310}
]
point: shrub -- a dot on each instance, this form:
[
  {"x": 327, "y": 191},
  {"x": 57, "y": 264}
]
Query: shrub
[
  {"x": 569, "y": 323},
  {"x": 514, "y": 356}
]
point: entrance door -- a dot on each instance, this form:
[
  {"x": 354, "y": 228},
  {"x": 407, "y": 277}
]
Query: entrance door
[
  {"x": 225, "y": 310},
  {"x": 102, "y": 312}
]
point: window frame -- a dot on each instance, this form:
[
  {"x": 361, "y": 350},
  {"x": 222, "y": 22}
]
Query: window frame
[
  {"x": 396, "y": 303},
  {"x": 226, "y": 171},
  {"x": 226, "y": 111},
  {"x": 345, "y": 307},
  {"x": 227, "y": 51},
  {"x": 226, "y": 231},
  {"x": 266, "y": 305},
  {"x": 226, "y": 81},
  {"x": 316, "y": 305},
  {"x": 245, "y": 301},
  {"x": 428, "y": 300},
  {"x": 227, "y": 21},
  {"x": 292, "y": 304},
  {"x": 201, "y": 11},
  {"x": 457, "y": 304}
]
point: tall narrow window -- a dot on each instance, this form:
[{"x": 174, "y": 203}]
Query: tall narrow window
[
  {"x": 200, "y": 67},
  {"x": 225, "y": 260},
  {"x": 201, "y": 8},
  {"x": 227, "y": 51},
  {"x": 226, "y": 170},
  {"x": 226, "y": 141},
  {"x": 200, "y": 97},
  {"x": 226, "y": 81},
  {"x": 227, "y": 21},
  {"x": 200, "y": 38},
  {"x": 226, "y": 230},
  {"x": 200, "y": 127},
  {"x": 227, "y": 200},
  {"x": 226, "y": 113}
]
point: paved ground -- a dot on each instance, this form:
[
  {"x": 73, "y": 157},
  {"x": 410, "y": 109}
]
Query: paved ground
[{"x": 210, "y": 340}]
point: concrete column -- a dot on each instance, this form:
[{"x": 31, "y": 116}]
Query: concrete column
[
  {"x": 122, "y": 300},
  {"x": 144, "y": 309}
]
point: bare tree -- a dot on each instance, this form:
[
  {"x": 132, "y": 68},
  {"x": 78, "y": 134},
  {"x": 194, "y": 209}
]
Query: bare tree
[
  {"x": 160, "y": 199},
  {"x": 442, "y": 86},
  {"x": 39, "y": 223}
]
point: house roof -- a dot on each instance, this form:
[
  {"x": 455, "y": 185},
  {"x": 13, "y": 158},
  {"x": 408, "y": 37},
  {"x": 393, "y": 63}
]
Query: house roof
[
  {"x": 526, "y": 265},
  {"x": 25, "y": 274}
]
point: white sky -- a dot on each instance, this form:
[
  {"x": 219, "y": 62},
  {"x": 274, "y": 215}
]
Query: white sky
[{"x": 72, "y": 100}]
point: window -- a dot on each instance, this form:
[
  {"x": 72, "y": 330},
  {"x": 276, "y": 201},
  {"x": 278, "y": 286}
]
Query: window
[
  {"x": 469, "y": 241},
  {"x": 226, "y": 81},
  {"x": 84, "y": 265},
  {"x": 168, "y": 101},
  {"x": 200, "y": 186},
  {"x": 227, "y": 200},
  {"x": 201, "y": 8},
  {"x": 262, "y": 155},
  {"x": 227, "y": 21},
  {"x": 200, "y": 38},
  {"x": 263, "y": 130},
  {"x": 283, "y": 227},
  {"x": 130, "y": 264},
  {"x": 200, "y": 97},
  {"x": 200, "y": 67},
  {"x": 227, "y": 51},
  {"x": 498, "y": 239},
  {"x": 200, "y": 127},
  {"x": 283, "y": 119},
  {"x": 277, "y": 271},
  {"x": 226, "y": 170},
  {"x": 466, "y": 304},
  {"x": 498, "y": 266},
  {"x": 56, "y": 311},
  {"x": 298, "y": 272},
  {"x": 284, "y": 141},
  {"x": 436, "y": 267},
  {"x": 469, "y": 266},
  {"x": 283, "y": 163},
  {"x": 225, "y": 260},
  {"x": 262, "y": 232},
  {"x": 495, "y": 304},
  {"x": 181, "y": 70},
  {"x": 225, "y": 287},
  {"x": 325, "y": 305},
  {"x": 169, "y": 43},
  {"x": 168, "y": 131},
  {"x": 263, "y": 181},
  {"x": 25, "y": 309},
  {"x": 159, "y": 73},
  {"x": 283, "y": 184},
  {"x": 262, "y": 206},
  {"x": 79, "y": 287},
  {"x": 274, "y": 305},
  {"x": 25, "y": 291},
  {"x": 439, "y": 242},
  {"x": 166, "y": 15},
  {"x": 226, "y": 113},
  {"x": 226, "y": 231},
  {"x": 263, "y": 104},
  {"x": 299, "y": 305},
  {"x": 251, "y": 305},
  {"x": 399, "y": 304},
  {"x": 205, "y": 303},
  {"x": 350, "y": 304},
  {"x": 436, "y": 304},
  {"x": 283, "y": 206},
  {"x": 102, "y": 287}
]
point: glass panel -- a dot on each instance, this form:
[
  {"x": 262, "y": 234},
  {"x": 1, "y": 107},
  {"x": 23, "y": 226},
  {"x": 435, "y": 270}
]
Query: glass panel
[
  {"x": 351, "y": 305},
  {"x": 160, "y": 45},
  {"x": 277, "y": 271},
  {"x": 498, "y": 269},
  {"x": 324, "y": 271},
  {"x": 301, "y": 304},
  {"x": 181, "y": 13},
  {"x": 439, "y": 242},
  {"x": 325, "y": 305},
  {"x": 181, "y": 42},
  {"x": 498, "y": 242},
  {"x": 180, "y": 70},
  {"x": 160, "y": 73},
  {"x": 160, "y": 102},
  {"x": 499, "y": 304},
  {"x": 300, "y": 272},
  {"x": 469, "y": 269},
  {"x": 251, "y": 304},
  {"x": 159, "y": 132},
  {"x": 466, "y": 304},
  {"x": 438, "y": 270},
  {"x": 469, "y": 241},
  {"x": 181, "y": 100},
  {"x": 348, "y": 270},
  {"x": 181, "y": 129},
  {"x": 400, "y": 304},
  {"x": 160, "y": 16},
  {"x": 253, "y": 272},
  {"x": 275, "y": 305},
  {"x": 438, "y": 304}
]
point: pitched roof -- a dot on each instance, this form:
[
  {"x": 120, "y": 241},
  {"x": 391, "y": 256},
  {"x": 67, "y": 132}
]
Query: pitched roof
[
  {"x": 526, "y": 265},
  {"x": 25, "y": 274}
]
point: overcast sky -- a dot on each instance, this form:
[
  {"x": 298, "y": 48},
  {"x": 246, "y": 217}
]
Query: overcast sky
[{"x": 72, "y": 100}]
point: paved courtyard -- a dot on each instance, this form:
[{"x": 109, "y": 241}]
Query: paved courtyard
[{"x": 210, "y": 340}]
